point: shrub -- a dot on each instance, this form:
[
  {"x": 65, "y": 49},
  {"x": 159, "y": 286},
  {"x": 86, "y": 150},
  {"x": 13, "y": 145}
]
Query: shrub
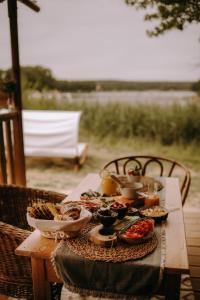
[{"x": 166, "y": 124}]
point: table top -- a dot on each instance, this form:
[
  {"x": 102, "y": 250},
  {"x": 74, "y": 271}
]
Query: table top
[{"x": 176, "y": 252}]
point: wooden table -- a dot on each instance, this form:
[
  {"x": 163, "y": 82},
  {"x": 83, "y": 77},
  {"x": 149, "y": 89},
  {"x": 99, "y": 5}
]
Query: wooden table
[{"x": 39, "y": 248}]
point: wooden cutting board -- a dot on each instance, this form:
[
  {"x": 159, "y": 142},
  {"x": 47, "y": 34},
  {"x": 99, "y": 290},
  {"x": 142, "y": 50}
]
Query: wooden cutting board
[{"x": 97, "y": 238}]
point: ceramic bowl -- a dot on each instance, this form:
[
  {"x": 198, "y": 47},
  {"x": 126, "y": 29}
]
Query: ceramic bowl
[
  {"x": 120, "y": 209},
  {"x": 107, "y": 217},
  {"x": 52, "y": 228},
  {"x": 131, "y": 190},
  {"x": 156, "y": 212}
]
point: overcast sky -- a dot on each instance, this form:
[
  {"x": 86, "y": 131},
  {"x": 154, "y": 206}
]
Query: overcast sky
[{"x": 99, "y": 39}]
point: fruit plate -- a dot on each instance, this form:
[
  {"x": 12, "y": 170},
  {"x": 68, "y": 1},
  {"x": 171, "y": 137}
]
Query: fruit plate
[{"x": 52, "y": 228}]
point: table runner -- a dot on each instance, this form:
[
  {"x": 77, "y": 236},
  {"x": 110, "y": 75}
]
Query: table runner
[{"x": 108, "y": 279}]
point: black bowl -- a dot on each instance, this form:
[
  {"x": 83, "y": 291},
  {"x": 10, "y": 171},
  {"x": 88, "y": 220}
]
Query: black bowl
[
  {"x": 107, "y": 217},
  {"x": 153, "y": 212},
  {"x": 121, "y": 211}
]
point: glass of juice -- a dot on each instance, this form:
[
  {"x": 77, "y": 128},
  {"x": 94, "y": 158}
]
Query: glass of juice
[
  {"x": 152, "y": 198},
  {"x": 108, "y": 186}
]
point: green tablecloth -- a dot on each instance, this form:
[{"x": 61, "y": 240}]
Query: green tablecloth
[{"x": 109, "y": 279}]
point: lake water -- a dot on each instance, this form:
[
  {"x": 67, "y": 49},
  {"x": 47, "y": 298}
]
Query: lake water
[{"x": 141, "y": 97}]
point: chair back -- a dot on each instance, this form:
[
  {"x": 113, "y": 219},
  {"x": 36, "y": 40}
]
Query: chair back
[
  {"x": 15, "y": 271},
  {"x": 153, "y": 166},
  {"x": 14, "y": 201}
]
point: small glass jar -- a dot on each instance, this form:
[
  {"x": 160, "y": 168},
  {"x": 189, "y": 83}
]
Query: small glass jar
[
  {"x": 108, "y": 186},
  {"x": 152, "y": 200}
]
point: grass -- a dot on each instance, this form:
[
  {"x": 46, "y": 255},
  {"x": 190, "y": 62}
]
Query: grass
[{"x": 168, "y": 125}]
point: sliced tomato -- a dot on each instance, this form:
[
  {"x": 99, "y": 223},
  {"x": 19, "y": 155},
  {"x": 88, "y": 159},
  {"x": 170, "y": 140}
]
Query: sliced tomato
[{"x": 133, "y": 235}]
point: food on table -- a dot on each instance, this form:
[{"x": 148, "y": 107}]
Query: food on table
[
  {"x": 154, "y": 211},
  {"x": 90, "y": 194},
  {"x": 117, "y": 205},
  {"x": 123, "y": 200},
  {"x": 90, "y": 204},
  {"x": 140, "y": 229},
  {"x": 119, "y": 208},
  {"x": 71, "y": 210},
  {"x": 122, "y": 225},
  {"x": 42, "y": 210},
  {"x": 53, "y": 208},
  {"x": 50, "y": 211},
  {"x": 132, "y": 211}
]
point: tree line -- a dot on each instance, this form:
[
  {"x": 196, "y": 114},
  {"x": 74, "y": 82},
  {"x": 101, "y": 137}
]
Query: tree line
[{"x": 40, "y": 78}]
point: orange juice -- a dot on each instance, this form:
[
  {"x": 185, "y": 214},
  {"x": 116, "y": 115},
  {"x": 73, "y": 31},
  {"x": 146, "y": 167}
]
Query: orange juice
[
  {"x": 108, "y": 185},
  {"x": 152, "y": 200}
]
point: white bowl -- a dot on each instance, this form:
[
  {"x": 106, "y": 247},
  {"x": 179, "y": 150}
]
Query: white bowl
[
  {"x": 130, "y": 190},
  {"x": 59, "y": 229}
]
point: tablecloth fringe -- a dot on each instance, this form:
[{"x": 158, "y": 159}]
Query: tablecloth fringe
[
  {"x": 163, "y": 252},
  {"x": 52, "y": 258},
  {"x": 102, "y": 294}
]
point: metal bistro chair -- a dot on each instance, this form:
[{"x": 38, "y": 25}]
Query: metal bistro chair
[
  {"x": 15, "y": 271},
  {"x": 153, "y": 165}
]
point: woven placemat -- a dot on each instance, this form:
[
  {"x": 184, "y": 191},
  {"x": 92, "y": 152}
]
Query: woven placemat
[{"x": 122, "y": 252}]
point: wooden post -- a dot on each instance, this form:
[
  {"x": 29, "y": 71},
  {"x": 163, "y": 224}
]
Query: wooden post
[
  {"x": 20, "y": 170},
  {"x": 3, "y": 174}
]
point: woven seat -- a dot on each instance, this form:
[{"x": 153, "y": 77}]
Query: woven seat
[
  {"x": 15, "y": 271},
  {"x": 153, "y": 166}
]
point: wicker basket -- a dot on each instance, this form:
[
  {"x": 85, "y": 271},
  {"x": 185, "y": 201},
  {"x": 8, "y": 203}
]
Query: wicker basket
[{"x": 15, "y": 271}]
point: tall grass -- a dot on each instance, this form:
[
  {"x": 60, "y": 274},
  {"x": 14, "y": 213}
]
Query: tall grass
[{"x": 166, "y": 124}]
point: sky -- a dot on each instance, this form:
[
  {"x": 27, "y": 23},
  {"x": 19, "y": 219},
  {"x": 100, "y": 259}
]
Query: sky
[{"x": 99, "y": 39}]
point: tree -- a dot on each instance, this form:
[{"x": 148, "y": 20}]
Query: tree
[
  {"x": 170, "y": 13},
  {"x": 196, "y": 87}
]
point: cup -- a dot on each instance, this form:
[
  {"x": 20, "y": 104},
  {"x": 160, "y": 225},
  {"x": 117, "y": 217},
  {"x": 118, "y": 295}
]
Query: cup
[
  {"x": 152, "y": 198},
  {"x": 131, "y": 191}
]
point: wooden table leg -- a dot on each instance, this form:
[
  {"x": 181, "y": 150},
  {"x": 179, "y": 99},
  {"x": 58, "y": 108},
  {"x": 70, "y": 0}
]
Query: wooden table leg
[
  {"x": 172, "y": 286},
  {"x": 41, "y": 287}
]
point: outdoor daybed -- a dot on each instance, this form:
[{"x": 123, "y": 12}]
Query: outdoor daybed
[{"x": 53, "y": 134}]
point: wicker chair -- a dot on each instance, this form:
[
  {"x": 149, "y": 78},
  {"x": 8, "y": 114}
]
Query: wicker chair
[
  {"x": 15, "y": 271},
  {"x": 153, "y": 165}
]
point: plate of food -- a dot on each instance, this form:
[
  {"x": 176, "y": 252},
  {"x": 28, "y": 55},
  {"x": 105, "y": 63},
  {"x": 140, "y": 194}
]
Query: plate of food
[
  {"x": 54, "y": 219},
  {"x": 120, "y": 209},
  {"x": 139, "y": 232},
  {"x": 157, "y": 212},
  {"x": 89, "y": 195}
]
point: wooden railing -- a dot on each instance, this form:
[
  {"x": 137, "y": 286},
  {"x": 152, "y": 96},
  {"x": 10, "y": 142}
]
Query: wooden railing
[{"x": 10, "y": 156}]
